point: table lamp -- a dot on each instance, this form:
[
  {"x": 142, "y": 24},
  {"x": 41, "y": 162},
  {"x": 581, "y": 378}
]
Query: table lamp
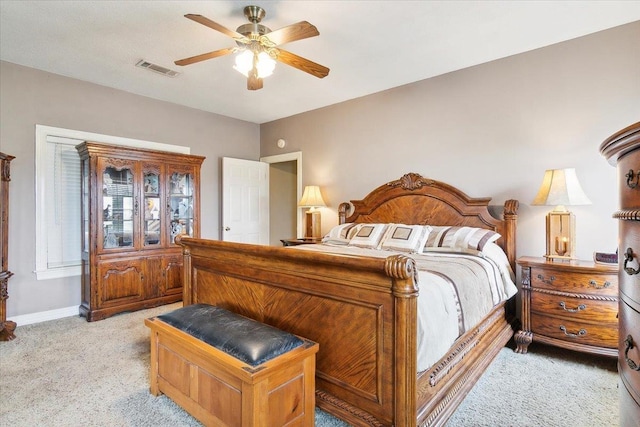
[
  {"x": 560, "y": 188},
  {"x": 312, "y": 199}
]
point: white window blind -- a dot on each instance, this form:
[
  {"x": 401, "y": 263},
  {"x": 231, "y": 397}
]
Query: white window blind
[{"x": 63, "y": 213}]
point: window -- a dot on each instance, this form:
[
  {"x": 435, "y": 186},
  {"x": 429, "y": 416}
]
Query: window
[{"x": 58, "y": 210}]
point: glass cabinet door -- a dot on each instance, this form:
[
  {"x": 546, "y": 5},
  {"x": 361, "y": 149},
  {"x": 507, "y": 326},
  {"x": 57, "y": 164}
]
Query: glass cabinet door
[
  {"x": 118, "y": 206},
  {"x": 180, "y": 204},
  {"x": 152, "y": 209}
]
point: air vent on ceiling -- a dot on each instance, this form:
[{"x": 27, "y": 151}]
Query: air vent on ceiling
[{"x": 157, "y": 68}]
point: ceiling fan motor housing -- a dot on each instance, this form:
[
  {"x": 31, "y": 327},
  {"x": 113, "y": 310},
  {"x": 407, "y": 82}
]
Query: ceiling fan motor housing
[{"x": 253, "y": 30}]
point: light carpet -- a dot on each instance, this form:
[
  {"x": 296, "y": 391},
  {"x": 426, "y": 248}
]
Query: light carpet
[{"x": 70, "y": 372}]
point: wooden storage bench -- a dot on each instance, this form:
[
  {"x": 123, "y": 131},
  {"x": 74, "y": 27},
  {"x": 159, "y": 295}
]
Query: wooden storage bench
[{"x": 228, "y": 370}]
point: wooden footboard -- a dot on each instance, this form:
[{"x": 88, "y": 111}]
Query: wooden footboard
[{"x": 362, "y": 312}]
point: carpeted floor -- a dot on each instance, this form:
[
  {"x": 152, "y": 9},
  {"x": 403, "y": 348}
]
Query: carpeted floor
[{"x": 69, "y": 372}]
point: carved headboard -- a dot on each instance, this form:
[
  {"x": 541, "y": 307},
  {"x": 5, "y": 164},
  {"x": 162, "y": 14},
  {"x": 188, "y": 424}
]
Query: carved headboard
[{"x": 413, "y": 199}]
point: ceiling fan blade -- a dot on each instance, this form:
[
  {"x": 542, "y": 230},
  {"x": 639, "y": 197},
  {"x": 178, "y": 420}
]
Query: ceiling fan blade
[
  {"x": 254, "y": 82},
  {"x": 302, "y": 64},
  {"x": 205, "y": 56},
  {"x": 293, "y": 32},
  {"x": 214, "y": 25}
]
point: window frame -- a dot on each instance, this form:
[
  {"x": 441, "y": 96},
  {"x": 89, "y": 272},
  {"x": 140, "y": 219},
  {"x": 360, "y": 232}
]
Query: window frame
[{"x": 42, "y": 185}]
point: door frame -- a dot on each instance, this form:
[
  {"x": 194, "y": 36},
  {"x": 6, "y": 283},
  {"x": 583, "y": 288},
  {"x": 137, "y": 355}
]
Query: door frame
[{"x": 288, "y": 157}]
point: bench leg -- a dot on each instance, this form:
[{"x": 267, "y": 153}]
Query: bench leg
[{"x": 153, "y": 365}]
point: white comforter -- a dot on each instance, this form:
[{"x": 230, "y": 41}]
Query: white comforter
[{"x": 456, "y": 291}]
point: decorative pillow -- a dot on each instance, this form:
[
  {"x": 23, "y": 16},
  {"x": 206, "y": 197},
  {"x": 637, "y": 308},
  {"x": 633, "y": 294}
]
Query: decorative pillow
[
  {"x": 459, "y": 239},
  {"x": 405, "y": 238},
  {"x": 341, "y": 234},
  {"x": 369, "y": 236}
]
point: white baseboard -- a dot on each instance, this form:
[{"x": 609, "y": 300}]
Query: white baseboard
[{"x": 43, "y": 316}]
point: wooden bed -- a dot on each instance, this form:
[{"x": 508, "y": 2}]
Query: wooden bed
[{"x": 362, "y": 310}]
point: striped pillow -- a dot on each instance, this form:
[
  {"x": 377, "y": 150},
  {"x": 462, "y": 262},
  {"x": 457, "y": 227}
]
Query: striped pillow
[
  {"x": 369, "y": 236},
  {"x": 341, "y": 234},
  {"x": 405, "y": 238},
  {"x": 459, "y": 239}
]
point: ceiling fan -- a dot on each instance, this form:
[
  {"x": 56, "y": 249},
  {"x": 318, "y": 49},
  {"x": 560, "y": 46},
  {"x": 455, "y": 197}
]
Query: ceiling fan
[{"x": 259, "y": 47}]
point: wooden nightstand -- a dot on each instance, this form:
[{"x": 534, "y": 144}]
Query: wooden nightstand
[
  {"x": 301, "y": 241},
  {"x": 569, "y": 304}
]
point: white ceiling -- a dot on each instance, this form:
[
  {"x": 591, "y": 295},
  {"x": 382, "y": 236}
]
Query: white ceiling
[{"x": 369, "y": 46}]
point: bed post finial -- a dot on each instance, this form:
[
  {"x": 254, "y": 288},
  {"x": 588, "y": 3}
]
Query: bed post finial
[
  {"x": 404, "y": 268},
  {"x": 343, "y": 209},
  {"x": 510, "y": 216}
]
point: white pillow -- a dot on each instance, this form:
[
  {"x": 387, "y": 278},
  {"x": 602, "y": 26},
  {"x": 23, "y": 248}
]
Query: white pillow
[
  {"x": 405, "y": 238},
  {"x": 459, "y": 239},
  {"x": 369, "y": 236},
  {"x": 341, "y": 234}
]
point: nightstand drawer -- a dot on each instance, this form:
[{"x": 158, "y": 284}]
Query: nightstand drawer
[
  {"x": 575, "y": 332},
  {"x": 568, "y": 281},
  {"x": 629, "y": 326},
  {"x": 576, "y": 309}
]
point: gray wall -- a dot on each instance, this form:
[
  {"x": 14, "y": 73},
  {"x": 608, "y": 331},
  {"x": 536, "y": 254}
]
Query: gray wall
[
  {"x": 31, "y": 97},
  {"x": 490, "y": 130}
]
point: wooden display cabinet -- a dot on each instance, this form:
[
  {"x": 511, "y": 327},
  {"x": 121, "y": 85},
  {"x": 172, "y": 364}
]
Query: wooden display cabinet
[
  {"x": 6, "y": 326},
  {"x": 135, "y": 202}
]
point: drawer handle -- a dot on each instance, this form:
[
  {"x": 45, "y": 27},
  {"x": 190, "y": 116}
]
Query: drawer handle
[
  {"x": 632, "y": 178},
  {"x": 629, "y": 345},
  {"x": 580, "y": 333},
  {"x": 594, "y": 284},
  {"x": 572, "y": 310},
  {"x": 548, "y": 282},
  {"x": 628, "y": 256}
]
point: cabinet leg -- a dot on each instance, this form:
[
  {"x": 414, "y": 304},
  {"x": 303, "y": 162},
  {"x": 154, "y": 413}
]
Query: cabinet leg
[
  {"x": 523, "y": 339},
  {"x": 6, "y": 330}
]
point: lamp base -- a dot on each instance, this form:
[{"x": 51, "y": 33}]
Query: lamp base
[
  {"x": 313, "y": 223},
  {"x": 561, "y": 235}
]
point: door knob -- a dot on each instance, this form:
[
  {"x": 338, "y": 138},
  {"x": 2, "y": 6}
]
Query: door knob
[{"x": 227, "y": 229}]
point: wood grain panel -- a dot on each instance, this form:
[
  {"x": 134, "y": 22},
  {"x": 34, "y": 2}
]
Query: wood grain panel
[
  {"x": 348, "y": 357},
  {"x": 219, "y": 398},
  {"x": 120, "y": 282}
]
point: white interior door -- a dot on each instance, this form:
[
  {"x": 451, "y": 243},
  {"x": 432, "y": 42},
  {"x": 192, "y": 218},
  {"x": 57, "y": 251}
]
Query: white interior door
[{"x": 245, "y": 201}]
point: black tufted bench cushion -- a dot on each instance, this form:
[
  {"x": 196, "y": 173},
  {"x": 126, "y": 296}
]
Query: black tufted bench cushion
[{"x": 245, "y": 339}]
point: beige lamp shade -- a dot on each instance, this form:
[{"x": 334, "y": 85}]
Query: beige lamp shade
[
  {"x": 560, "y": 187},
  {"x": 311, "y": 198}
]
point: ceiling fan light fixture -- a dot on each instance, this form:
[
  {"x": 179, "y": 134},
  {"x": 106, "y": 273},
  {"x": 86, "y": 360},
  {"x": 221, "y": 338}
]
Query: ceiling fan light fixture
[
  {"x": 258, "y": 48},
  {"x": 264, "y": 63}
]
